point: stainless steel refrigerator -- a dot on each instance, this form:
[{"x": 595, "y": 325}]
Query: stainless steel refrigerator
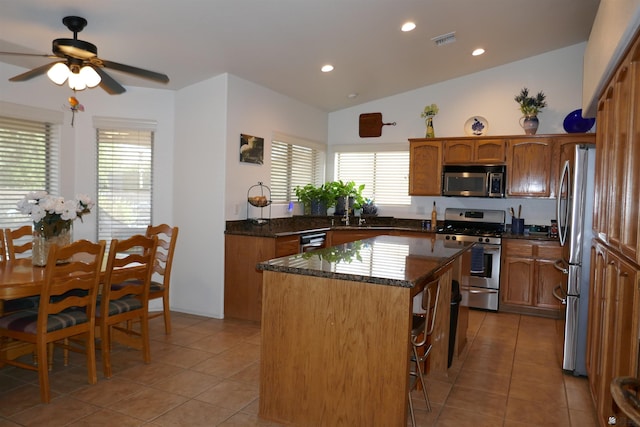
[{"x": 574, "y": 215}]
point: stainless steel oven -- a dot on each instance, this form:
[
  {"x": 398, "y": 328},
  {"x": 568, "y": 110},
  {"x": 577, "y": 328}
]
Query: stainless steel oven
[{"x": 480, "y": 281}]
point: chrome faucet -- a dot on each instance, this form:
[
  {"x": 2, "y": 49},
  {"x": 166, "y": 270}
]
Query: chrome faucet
[{"x": 346, "y": 217}]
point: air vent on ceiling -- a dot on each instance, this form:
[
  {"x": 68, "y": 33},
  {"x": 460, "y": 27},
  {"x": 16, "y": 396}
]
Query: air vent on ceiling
[{"x": 445, "y": 38}]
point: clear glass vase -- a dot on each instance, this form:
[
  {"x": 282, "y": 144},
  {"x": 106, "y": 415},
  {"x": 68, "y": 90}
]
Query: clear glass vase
[{"x": 46, "y": 234}]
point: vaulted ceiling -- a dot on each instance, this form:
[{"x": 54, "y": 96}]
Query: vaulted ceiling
[{"x": 281, "y": 44}]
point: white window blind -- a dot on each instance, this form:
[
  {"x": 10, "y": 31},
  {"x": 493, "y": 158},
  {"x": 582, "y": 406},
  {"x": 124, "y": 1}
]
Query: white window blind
[
  {"x": 385, "y": 174},
  {"x": 294, "y": 163},
  {"x": 125, "y": 180},
  {"x": 29, "y": 161}
]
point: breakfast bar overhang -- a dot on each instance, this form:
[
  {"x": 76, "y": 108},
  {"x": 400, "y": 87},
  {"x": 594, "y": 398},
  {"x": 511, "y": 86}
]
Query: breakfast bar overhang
[{"x": 336, "y": 329}]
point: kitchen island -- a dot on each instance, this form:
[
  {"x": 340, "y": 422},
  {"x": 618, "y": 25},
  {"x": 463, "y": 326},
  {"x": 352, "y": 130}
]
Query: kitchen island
[{"x": 336, "y": 329}]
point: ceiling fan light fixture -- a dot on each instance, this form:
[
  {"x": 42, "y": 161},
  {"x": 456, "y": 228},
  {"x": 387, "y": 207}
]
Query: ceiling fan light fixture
[
  {"x": 58, "y": 73},
  {"x": 90, "y": 76},
  {"x": 76, "y": 82}
]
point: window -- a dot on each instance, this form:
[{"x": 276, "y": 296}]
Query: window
[
  {"x": 294, "y": 162},
  {"x": 125, "y": 190},
  {"x": 385, "y": 174},
  {"x": 29, "y": 157}
]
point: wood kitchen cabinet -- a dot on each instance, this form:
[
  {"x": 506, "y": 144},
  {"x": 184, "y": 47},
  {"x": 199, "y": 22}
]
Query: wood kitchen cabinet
[
  {"x": 425, "y": 167},
  {"x": 612, "y": 344},
  {"x": 242, "y": 281},
  {"x": 529, "y": 167},
  {"x": 528, "y": 277},
  {"x": 481, "y": 151},
  {"x": 614, "y": 309}
]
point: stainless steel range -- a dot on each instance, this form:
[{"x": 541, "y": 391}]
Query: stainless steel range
[{"x": 480, "y": 286}]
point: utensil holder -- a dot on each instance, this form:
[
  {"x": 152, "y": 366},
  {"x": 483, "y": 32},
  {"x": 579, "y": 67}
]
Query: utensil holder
[{"x": 517, "y": 225}]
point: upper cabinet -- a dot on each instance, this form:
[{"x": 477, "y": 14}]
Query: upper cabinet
[
  {"x": 425, "y": 166},
  {"x": 482, "y": 151},
  {"x": 529, "y": 167}
]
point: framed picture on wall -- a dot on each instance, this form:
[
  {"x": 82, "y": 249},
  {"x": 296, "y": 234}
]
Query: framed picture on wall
[{"x": 251, "y": 149}]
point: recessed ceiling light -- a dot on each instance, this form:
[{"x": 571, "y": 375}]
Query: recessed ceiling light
[
  {"x": 327, "y": 68},
  {"x": 408, "y": 26},
  {"x": 477, "y": 52}
]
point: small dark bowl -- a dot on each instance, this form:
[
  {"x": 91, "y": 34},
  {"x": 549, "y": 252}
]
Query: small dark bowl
[{"x": 575, "y": 123}]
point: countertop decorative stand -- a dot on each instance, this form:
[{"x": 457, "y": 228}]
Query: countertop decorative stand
[{"x": 259, "y": 196}]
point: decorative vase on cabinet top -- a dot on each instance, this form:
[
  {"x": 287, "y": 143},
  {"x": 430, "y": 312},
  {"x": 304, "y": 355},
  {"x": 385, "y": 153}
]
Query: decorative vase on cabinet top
[
  {"x": 529, "y": 124},
  {"x": 430, "y": 133}
]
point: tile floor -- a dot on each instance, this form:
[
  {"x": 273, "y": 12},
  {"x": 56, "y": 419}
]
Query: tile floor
[{"x": 206, "y": 374}]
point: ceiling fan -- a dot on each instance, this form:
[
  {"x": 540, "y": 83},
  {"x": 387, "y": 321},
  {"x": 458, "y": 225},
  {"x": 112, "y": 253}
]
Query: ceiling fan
[{"x": 81, "y": 57}]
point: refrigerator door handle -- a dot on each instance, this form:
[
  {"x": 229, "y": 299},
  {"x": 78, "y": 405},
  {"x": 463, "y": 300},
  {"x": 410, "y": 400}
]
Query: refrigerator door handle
[
  {"x": 561, "y": 265},
  {"x": 560, "y": 295},
  {"x": 563, "y": 217}
]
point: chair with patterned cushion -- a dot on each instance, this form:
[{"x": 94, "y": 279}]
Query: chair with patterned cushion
[
  {"x": 124, "y": 301},
  {"x": 19, "y": 241},
  {"x": 67, "y": 309},
  {"x": 167, "y": 238}
]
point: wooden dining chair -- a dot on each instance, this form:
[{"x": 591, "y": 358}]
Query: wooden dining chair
[
  {"x": 19, "y": 241},
  {"x": 167, "y": 238},
  {"x": 3, "y": 247},
  {"x": 67, "y": 309},
  {"x": 124, "y": 301}
]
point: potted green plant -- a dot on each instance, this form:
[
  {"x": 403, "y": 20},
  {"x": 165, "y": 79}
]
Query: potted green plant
[
  {"x": 348, "y": 195},
  {"x": 530, "y": 106},
  {"x": 316, "y": 199}
]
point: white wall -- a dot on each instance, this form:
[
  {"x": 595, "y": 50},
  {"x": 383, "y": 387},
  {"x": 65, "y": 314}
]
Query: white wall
[
  {"x": 78, "y": 164},
  {"x": 258, "y": 111},
  {"x": 199, "y": 181},
  {"x": 489, "y": 94}
]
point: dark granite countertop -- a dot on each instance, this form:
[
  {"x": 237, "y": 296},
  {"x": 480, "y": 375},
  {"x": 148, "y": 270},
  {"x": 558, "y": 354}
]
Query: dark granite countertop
[
  {"x": 279, "y": 227},
  {"x": 379, "y": 260}
]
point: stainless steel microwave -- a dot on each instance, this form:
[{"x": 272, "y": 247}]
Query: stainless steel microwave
[{"x": 474, "y": 181}]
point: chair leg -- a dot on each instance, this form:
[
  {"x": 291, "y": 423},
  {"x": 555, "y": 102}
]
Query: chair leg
[
  {"x": 413, "y": 417},
  {"x": 144, "y": 336},
  {"x": 421, "y": 377},
  {"x": 90, "y": 348},
  {"x": 167, "y": 315},
  {"x": 105, "y": 345},
  {"x": 43, "y": 371}
]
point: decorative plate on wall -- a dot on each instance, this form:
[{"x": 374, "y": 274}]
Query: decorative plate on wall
[{"x": 476, "y": 126}]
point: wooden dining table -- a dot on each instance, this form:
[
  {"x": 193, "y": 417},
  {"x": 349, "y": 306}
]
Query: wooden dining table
[{"x": 19, "y": 278}]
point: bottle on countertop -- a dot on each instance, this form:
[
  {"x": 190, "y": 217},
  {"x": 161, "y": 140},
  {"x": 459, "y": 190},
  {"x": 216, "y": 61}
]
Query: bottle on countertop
[{"x": 434, "y": 216}]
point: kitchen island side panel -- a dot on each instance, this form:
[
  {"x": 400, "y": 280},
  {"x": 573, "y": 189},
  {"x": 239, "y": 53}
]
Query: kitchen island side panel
[{"x": 334, "y": 352}]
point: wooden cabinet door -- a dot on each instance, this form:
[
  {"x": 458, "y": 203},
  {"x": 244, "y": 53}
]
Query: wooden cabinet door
[
  {"x": 629, "y": 238},
  {"x": 618, "y": 166},
  {"x": 425, "y": 168},
  {"x": 242, "y": 282},
  {"x": 548, "y": 278},
  {"x": 529, "y": 167},
  {"x": 596, "y": 332},
  {"x": 456, "y": 152},
  {"x": 516, "y": 284},
  {"x": 603, "y": 143},
  {"x": 490, "y": 151}
]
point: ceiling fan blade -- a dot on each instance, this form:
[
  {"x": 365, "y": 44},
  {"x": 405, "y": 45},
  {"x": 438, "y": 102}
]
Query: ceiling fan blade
[
  {"x": 146, "y": 74},
  {"x": 41, "y": 55},
  {"x": 32, "y": 73},
  {"x": 107, "y": 82}
]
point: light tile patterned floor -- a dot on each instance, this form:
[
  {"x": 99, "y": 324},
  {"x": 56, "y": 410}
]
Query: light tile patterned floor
[{"x": 206, "y": 374}]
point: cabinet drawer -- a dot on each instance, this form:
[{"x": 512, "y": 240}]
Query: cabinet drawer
[
  {"x": 518, "y": 248},
  {"x": 286, "y": 246},
  {"x": 549, "y": 250}
]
